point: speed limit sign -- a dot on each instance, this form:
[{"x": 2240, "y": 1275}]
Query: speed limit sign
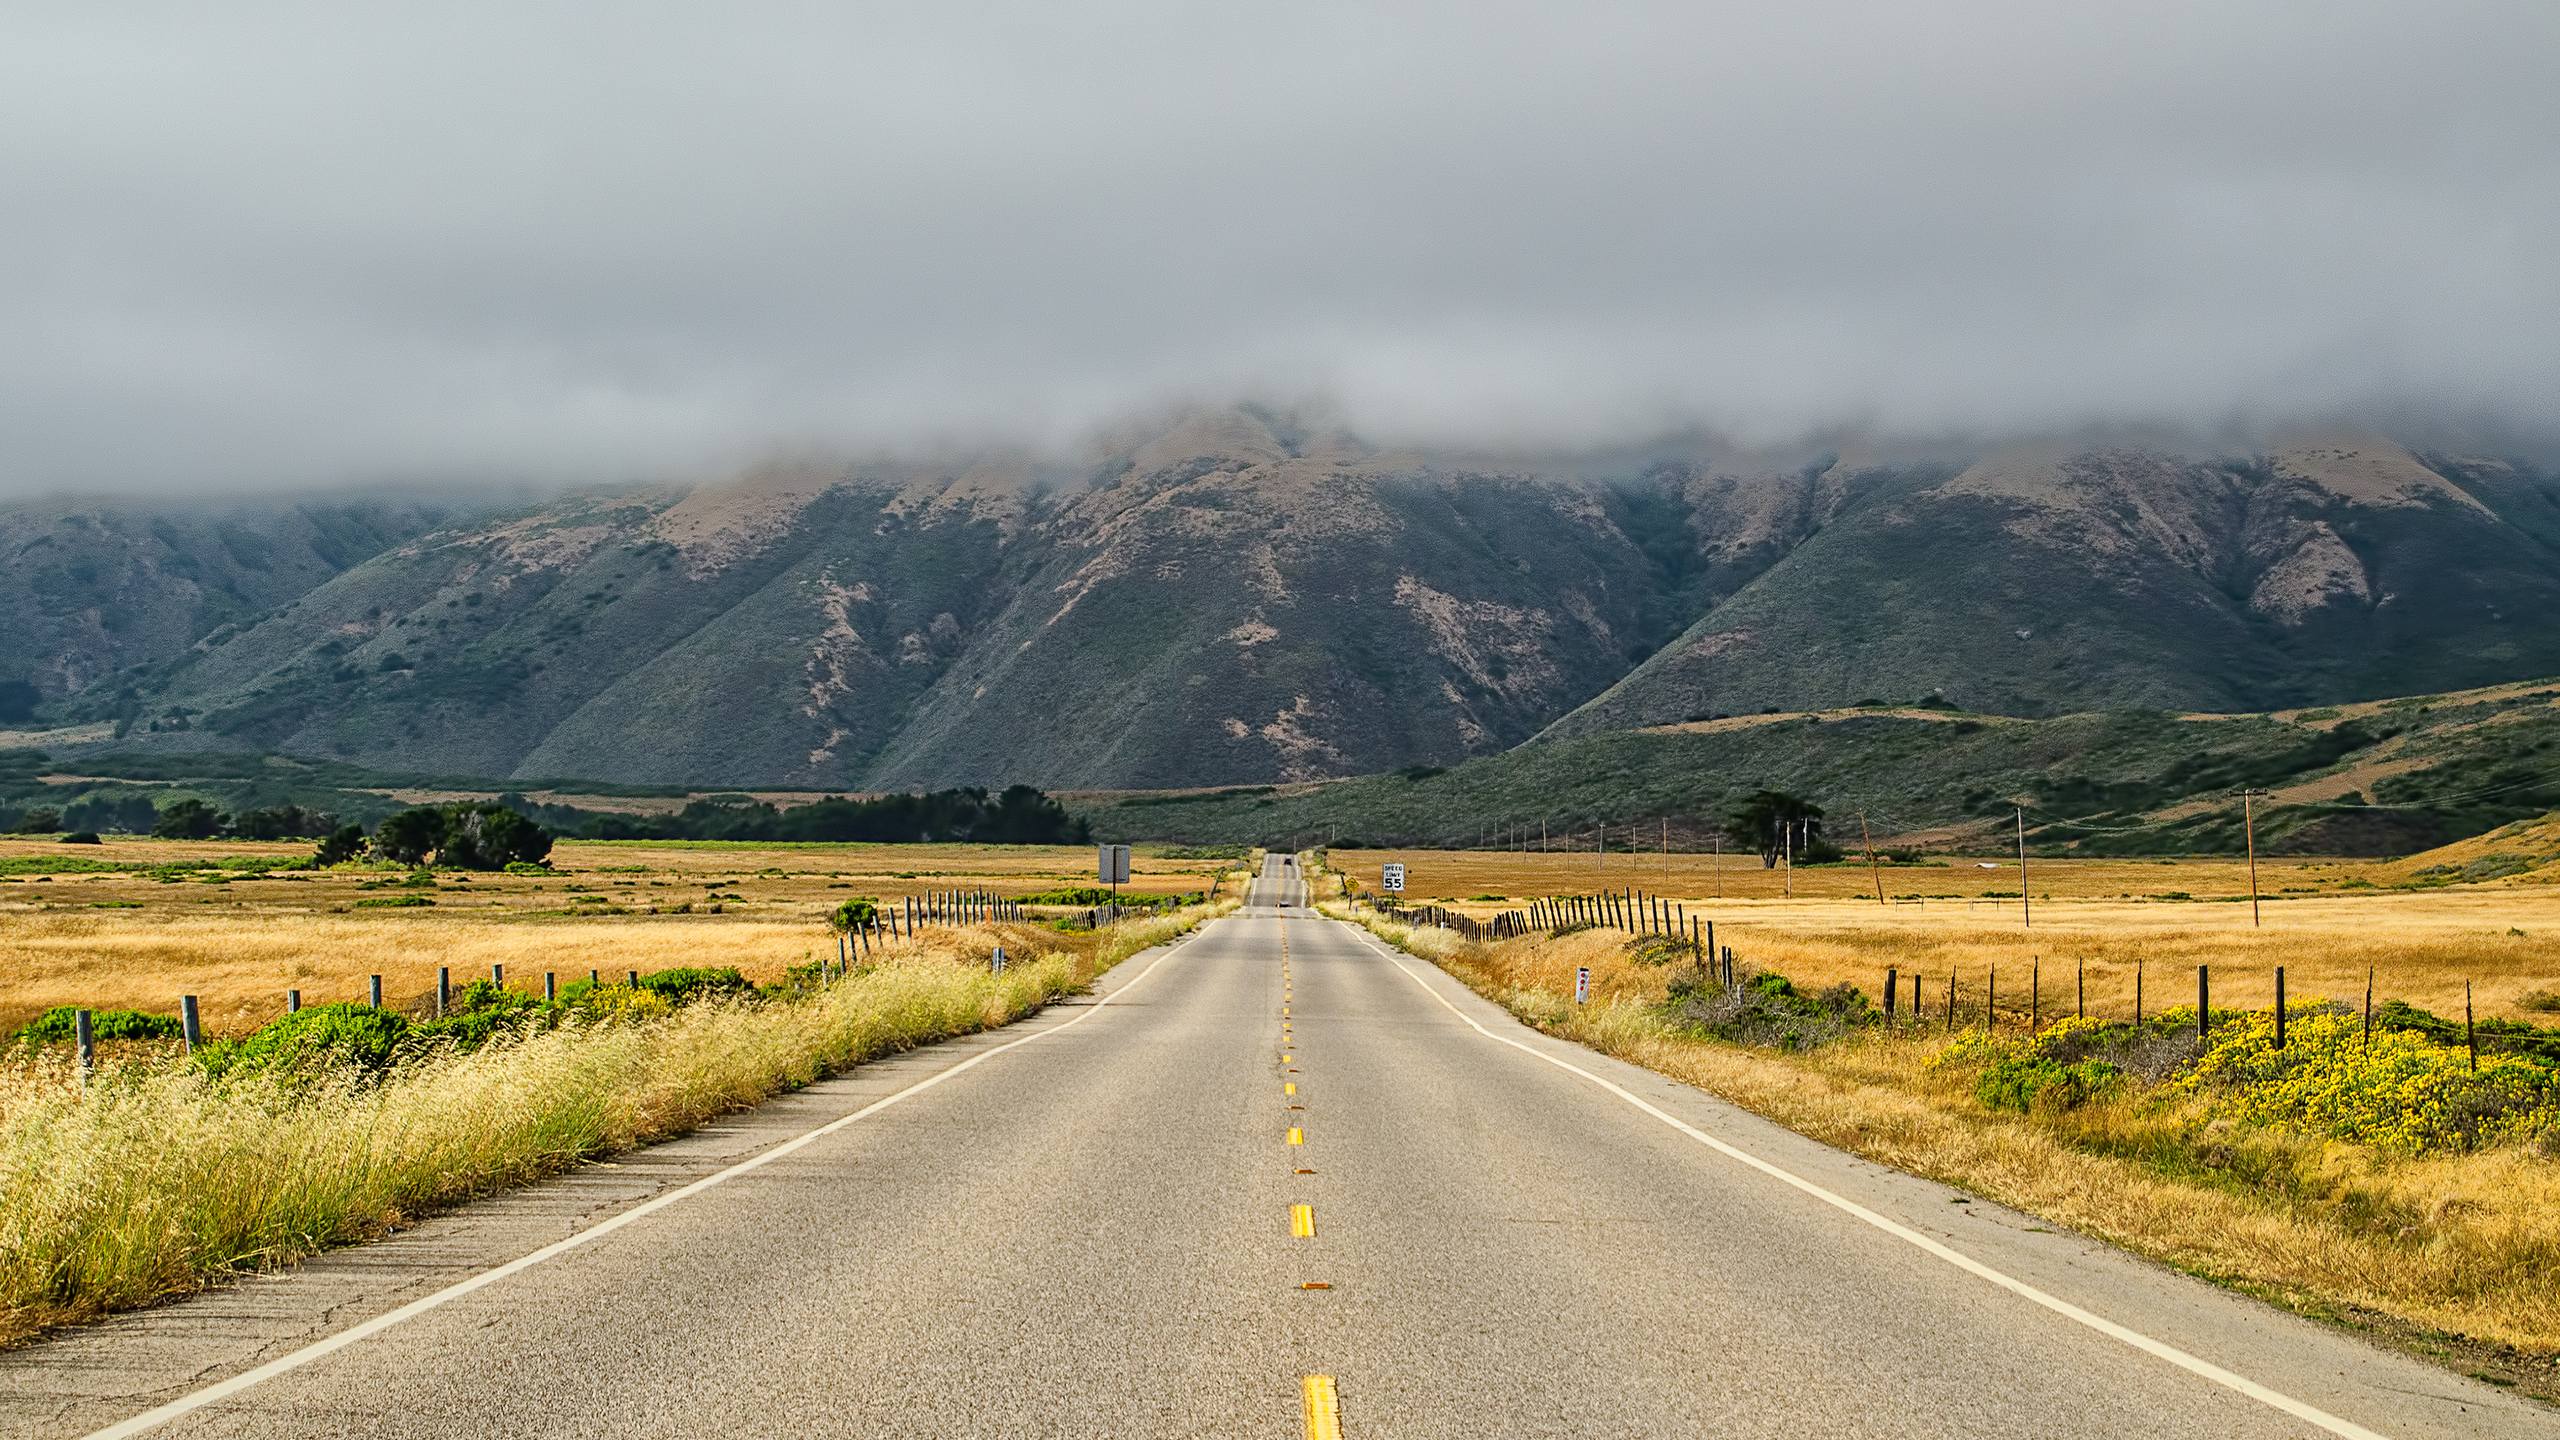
[{"x": 1391, "y": 879}]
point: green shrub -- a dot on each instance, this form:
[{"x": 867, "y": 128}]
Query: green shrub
[
  {"x": 394, "y": 902},
  {"x": 1765, "y": 1008},
  {"x": 855, "y": 914},
  {"x": 58, "y": 1024},
  {"x": 82, "y": 837},
  {"x": 528, "y": 867},
  {"x": 2024, "y": 1080},
  {"x": 695, "y": 982},
  {"x": 314, "y": 1039}
]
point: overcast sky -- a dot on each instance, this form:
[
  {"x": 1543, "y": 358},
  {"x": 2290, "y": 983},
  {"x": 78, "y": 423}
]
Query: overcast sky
[{"x": 260, "y": 244}]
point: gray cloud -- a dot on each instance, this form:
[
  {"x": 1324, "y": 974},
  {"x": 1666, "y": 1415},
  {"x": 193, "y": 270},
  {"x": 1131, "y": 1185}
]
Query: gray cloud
[{"x": 264, "y": 243}]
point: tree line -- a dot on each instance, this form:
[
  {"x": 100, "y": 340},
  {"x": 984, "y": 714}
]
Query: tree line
[{"x": 1016, "y": 815}]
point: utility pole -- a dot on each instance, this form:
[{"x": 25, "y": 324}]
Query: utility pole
[
  {"x": 1604, "y": 844},
  {"x": 1868, "y": 840},
  {"x": 1666, "y": 850},
  {"x": 1787, "y": 838},
  {"x": 2025, "y": 905},
  {"x": 2249, "y": 823}
]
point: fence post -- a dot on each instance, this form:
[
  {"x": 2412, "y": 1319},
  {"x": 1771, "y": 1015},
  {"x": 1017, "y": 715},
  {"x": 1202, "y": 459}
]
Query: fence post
[
  {"x": 2137, "y": 992},
  {"x": 292, "y": 1001},
  {"x": 2035, "y": 994},
  {"x": 592, "y": 977},
  {"x": 2368, "y": 1006},
  {"x": 2204, "y": 1003},
  {"x": 635, "y": 979},
  {"x": 498, "y": 974},
  {"x": 2084, "y": 987},
  {"x": 1892, "y": 983},
  {"x": 550, "y": 985},
  {"x": 2279, "y": 1007},
  {"x": 2470, "y": 1039},
  {"x": 1991, "y": 999},
  {"x": 444, "y": 989},
  {"x": 1951, "y": 1002},
  {"x": 85, "y": 1036},
  {"x": 188, "y": 1026},
  {"x": 373, "y": 988}
]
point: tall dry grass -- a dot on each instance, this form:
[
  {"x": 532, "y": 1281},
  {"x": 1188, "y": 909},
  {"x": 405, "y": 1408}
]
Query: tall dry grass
[
  {"x": 2460, "y": 1246},
  {"x": 157, "y": 1178}
]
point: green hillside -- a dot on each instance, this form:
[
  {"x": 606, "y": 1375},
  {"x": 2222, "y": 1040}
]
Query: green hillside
[{"x": 2376, "y": 779}]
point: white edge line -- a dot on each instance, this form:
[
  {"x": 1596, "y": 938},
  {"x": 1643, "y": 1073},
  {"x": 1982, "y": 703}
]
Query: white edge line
[
  {"x": 2274, "y": 1399},
  {"x": 318, "y": 1349}
]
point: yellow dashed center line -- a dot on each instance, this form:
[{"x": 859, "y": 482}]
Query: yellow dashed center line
[
  {"x": 1297, "y": 1135},
  {"x": 1288, "y": 1087},
  {"x": 1302, "y": 1221},
  {"x": 1323, "y": 1407}
]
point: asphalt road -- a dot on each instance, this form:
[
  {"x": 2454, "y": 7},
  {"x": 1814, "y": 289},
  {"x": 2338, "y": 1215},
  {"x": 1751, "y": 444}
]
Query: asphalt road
[{"x": 1089, "y": 1225}]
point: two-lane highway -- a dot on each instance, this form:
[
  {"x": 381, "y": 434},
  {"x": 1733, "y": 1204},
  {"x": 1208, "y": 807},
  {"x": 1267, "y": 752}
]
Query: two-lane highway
[{"x": 1278, "y": 1179}]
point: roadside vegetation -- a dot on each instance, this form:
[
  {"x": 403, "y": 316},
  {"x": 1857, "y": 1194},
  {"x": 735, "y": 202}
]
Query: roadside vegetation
[
  {"x": 165, "y": 1171},
  {"x": 2380, "y": 1181}
]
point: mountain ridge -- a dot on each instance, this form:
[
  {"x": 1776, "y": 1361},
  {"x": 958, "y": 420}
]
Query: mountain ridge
[{"x": 1237, "y": 597}]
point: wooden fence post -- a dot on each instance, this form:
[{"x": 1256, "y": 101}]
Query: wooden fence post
[
  {"x": 84, "y": 1036},
  {"x": 292, "y": 1001},
  {"x": 550, "y": 985},
  {"x": 2204, "y": 1003},
  {"x": 2470, "y": 1039},
  {"x": 373, "y": 988},
  {"x": 2279, "y": 1007},
  {"x": 444, "y": 989},
  {"x": 1892, "y": 983},
  {"x": 188, "y": 1026}
]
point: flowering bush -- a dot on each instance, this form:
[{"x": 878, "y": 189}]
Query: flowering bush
[{"x": 2397, "y": 1091}]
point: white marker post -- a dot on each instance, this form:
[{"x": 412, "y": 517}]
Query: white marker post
[{"x": 1582, "y": 985}]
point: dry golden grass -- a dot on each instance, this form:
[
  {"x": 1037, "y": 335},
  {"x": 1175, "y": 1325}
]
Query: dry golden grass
[
  {"x": 2422, "y": 944},
  {"x": 156, "y": 1178},
  {"x": 240, "y": 945},
  {"x": 2460, "y": 1246}
]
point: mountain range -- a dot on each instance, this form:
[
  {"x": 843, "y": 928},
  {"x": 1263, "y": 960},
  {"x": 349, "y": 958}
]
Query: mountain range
[{"x": 1234, "y": 597}]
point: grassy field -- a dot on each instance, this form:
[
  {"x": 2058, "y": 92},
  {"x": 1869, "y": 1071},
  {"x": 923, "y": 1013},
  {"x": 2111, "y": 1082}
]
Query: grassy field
[
  {"x": 154, "y": 919},
  {"x": 160, "y": 1175},
  {"x": 2325, "y": 921},
  {"x": 2445, "y": 1251}
]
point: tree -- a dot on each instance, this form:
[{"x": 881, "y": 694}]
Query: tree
[
  {"x": 189, "y": 819},
  {"x": 854, "y": 915},
  {"x": 490, "y": 837},
  {"x": 409, "y": 836},
  {"x": 1762, "y": 823},
  {"x": 40, "y": 822},
  {"x": 340, "y": 846},
  {"x": 284, "y": 822}
]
